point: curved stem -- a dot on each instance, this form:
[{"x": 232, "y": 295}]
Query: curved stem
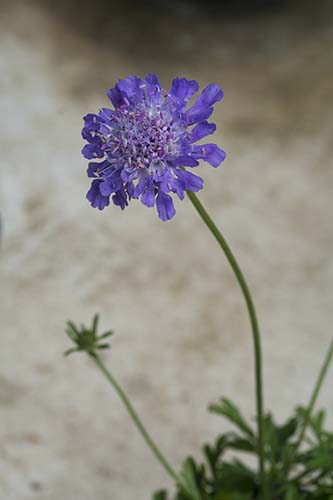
[
  {"x": 136, "y": 419},
  {"x": 255, "y": 331}
]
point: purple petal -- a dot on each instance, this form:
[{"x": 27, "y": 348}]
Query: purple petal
[
  {"x": 91, "y": 151},
  {"x": 202, "y": 130},
  {"x": 110, "y": 185},
  {"x": 131, "y": 87},
  {"x": 190, "y": 181},
  {"x": 148, "y": 197},
  {"x": 92, "y": 167},
  {"x": 199, "y": 114},
  {"x": 165, "y": 207},
  {"x": 153, "y": 89},
  {"x": 115, "y": 96},
  {"x": 92, "y": 121},
  {"x": 152, "y": 79},
  {"x": 183, "y": 89},
  {"x": 120, "y": 199},
  {"x": 210, "y": 153},
  {"x": 139, "y": 188},
  {"x": 97, "y": 200},
  {"x": 103, "y": 167},
  {"x": 130, "y": 189},
  {"x": 209, "y": 96},
  {"x": 203, "y": 106},
  {"x": 87, "y": 135},
  {"x": 106, "y": 113},
  {"x": 105, "y": 188},
  {"x": 92, "y": 125},
  {"x": 178, "y": 187},
  {"x": 185, "y": 161}
]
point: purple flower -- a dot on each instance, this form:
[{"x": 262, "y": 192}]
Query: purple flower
[{"x": 141, "y": 146}]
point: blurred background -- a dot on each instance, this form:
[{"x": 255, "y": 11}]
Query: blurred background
[{"x": 182, "y": 333}]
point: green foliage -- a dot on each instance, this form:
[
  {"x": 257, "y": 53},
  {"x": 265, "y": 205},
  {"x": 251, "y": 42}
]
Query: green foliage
[
  {"x": 293, "y": 473},
  {"x": 160, "y": 495},
  {"x": 227, "y": 409}
]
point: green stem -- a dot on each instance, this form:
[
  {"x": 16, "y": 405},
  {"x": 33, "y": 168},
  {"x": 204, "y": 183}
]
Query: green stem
[
  {"x": 314, "y": 397},
  {"x": 141, "y": 428},
  {"x": 255, "y": 331},
  {"x": 307, "y": 418}
]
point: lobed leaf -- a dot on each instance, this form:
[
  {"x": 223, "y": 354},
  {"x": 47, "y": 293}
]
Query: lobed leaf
[{"x": 232, "y": 413}]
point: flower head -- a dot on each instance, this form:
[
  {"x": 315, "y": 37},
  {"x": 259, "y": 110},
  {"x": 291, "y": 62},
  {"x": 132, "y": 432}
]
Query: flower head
[
  {"x": 85, "y": 338},
  {"x": 141, "y": 146}
]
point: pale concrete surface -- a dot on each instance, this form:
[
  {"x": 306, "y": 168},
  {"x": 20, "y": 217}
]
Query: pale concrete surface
[{"x": 183, "y": 337}]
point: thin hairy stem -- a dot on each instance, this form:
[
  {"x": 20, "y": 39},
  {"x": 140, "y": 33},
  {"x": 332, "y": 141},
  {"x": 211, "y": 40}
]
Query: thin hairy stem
[{"x": 255, "y": 333}]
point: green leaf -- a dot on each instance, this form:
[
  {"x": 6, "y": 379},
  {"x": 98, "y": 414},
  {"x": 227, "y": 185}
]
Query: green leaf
[
  {"x": 103, "y": 346},
  {"x": 287, "y": 430},
  {"x": 72, "y": 331},
  {"x": 106, "y": 334},
  {"x": 95, "y": 324},
  {"x": 316, "y": 423},
  {"x": 242, "y": 444},
  {"x": 319, "y": 457},
  {"x": 231, "y": 495},
  {"x": 70, "y": 351},
  {"x": 232, "y": 413},
  {"x": 191, "y": 478},
  {"x": 160, "y": 495},
  {"x": 235, "y": 476},
  {"x": 292, "y": 493},
  {"x": 279, "y": 442}
]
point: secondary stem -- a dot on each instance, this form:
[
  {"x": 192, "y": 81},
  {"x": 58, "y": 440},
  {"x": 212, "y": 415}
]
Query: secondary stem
[
  {"x": 314, "y": 397},
  {"x": 255, "y": 331},
  {"x": 307, "y": 418},
  {"x": 136, "y": 419}
]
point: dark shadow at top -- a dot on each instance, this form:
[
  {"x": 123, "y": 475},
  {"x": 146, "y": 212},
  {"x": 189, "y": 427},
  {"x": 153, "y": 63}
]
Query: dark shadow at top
[
  {"x": 131, "y": 23},
  {"x": 273, "y": 53},
  {"x": 165, "y": 27}
]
